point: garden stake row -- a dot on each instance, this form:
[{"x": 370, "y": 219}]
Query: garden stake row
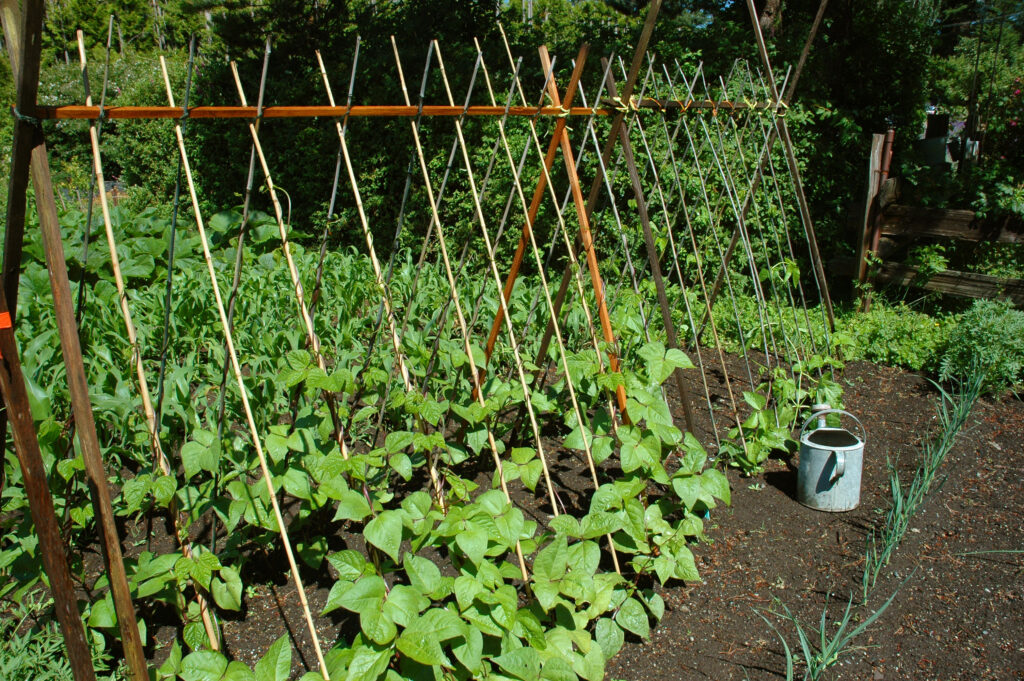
[
  {"x": 639, "y": 126},
  {"x": 695, "y": 251},
  {"x": 655, "y": 257},
  {"x": 315, "y": 298},
  {"x": 243, "y": 228},
  {"x": 580, "y": 417},
  {"x": 253, "y": 431},
  {"x": 585, "y": 213},
  {"x": 160, "y": 460},
  {"x": 798, "y": 348},
  {"x": 23, "y": 39},
  {"x": 709, "y": 211},
  {"x": 794, "y": 171},
  {"x": 653, "y": 260},
  {"x": 168, "y": 290},
  {"x": 384, "y": 289},
  {"x": 718, "y": 155},
  {"x": 475, "y": 376},
  {"x": 538, "y": 195},
  {"x": 497, "y": 280}
]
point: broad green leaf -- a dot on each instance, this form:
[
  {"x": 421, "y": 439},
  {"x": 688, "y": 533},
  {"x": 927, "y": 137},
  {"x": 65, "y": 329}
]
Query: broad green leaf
[
  {"x": 227, "y": 589},
  {"x": 597, "y": 524},
  {"x": 203, "y": 665},
  {"x": 276, "y": 665},
  {"x": 237, "y": 671},
  {"x": 368, "y": 593},
  {"x": 686, "y": 569},
  {"x": 350, "y": 564},
  {"x": 470, "y": 651},
  {"x": 422, "y": 573},
  {"x": 404, "y": 603},
  {"x": 473, "y": 541},
  {"x": 609, "y": 636},
  {"x": 397, "y": 441},
  {"x": 368, "y": 663},
  {"x": 565, "y": 524},
  {"x": 351, "y": 506},
  {"x": 385, "y": 532},
  {"x": 522, "y": 663},
  {"x": 714, "y": 482},
  {"x": 377, "y": 625},
  {"x": 632, "y": 617},
  {"x": 197, "y": 457},
  {"x": 102, "y": 614},
  {"x": 419, "y": 642}
]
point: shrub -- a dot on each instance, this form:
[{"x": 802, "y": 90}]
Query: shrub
[{"x": 990, "y": 335}]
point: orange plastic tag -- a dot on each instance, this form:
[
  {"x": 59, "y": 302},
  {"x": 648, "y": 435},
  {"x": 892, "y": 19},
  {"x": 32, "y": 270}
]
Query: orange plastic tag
[{"x": 5, "y": 320}]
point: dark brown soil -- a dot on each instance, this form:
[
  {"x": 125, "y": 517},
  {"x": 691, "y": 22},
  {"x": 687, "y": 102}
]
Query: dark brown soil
[{"x": 959, "y": 613}]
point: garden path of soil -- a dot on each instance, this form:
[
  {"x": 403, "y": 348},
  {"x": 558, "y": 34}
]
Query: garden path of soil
[{"x": 958, "y": 614}]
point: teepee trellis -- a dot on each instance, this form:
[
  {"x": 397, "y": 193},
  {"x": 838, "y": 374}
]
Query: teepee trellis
[{"x": 657, "y": 178}]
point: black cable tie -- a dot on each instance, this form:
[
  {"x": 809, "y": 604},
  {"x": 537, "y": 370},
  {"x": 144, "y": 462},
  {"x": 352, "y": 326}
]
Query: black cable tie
[
  {"x": 184, "y": 113},
  {"x": 24, "y": 118}
]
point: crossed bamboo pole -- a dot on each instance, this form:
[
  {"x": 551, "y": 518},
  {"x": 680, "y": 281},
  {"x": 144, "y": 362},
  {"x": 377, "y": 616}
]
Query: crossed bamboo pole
[
  {"x": 563, "y": 355},
  {"x": 160, "y": 459},
  {"x": 243, "y": 393}
]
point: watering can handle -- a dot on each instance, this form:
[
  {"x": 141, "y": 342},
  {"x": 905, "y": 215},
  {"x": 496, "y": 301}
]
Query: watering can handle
[
  {"x": 823, "y": 412},
  {"x": 840, "y": 465}
]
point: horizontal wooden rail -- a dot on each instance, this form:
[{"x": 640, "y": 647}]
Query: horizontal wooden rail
[
  {"x": 75, "y": 111},
  {"x": 941, "y": 223},
  {"x": 967, "y": 284}
]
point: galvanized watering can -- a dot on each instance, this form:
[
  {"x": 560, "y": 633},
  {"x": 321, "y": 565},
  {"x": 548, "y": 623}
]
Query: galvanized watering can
[{"x": 831, "y": 463}]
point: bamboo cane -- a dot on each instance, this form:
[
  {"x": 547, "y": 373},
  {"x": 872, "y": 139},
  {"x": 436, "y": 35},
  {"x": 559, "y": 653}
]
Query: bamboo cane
[
  {"x": 501, "y": 298},
  {"x": 253, "y": 431},
  {"x": 379, "y": 278}
]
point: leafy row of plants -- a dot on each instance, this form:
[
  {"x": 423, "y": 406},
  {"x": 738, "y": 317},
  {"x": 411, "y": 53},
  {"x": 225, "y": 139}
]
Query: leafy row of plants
[{"x": 430, "y": 589}]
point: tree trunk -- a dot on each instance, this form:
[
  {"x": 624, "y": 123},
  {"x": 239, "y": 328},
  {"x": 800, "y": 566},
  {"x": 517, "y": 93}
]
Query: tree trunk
[{"x": 771, "y": 17}]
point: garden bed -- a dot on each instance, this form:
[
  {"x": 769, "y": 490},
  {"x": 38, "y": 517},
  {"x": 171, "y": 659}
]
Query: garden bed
[{"x": 960, "y": 615}]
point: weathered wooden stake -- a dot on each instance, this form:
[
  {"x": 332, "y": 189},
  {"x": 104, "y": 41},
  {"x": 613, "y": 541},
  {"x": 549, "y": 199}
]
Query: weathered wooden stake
[{"x": 27, "y": 37}]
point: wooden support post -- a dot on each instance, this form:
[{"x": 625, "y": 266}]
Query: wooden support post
[
  {"x": 874, "y": 166},
  {"x": 878, "y": 171},
  {"x": 40, "y": 504},
  {"x": 606, "y": 155},
  {"x": 28, "y": 36},
  {"x": 653, "y": 258},
  {"x": 538, "y": 196},
  {"x": 883, "y": 175},
  {"x": 794, "y": 171}
]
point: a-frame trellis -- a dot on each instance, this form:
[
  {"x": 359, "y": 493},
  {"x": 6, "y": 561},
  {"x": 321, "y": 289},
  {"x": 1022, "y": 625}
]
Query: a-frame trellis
[{"x": 702, "y": 147}]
